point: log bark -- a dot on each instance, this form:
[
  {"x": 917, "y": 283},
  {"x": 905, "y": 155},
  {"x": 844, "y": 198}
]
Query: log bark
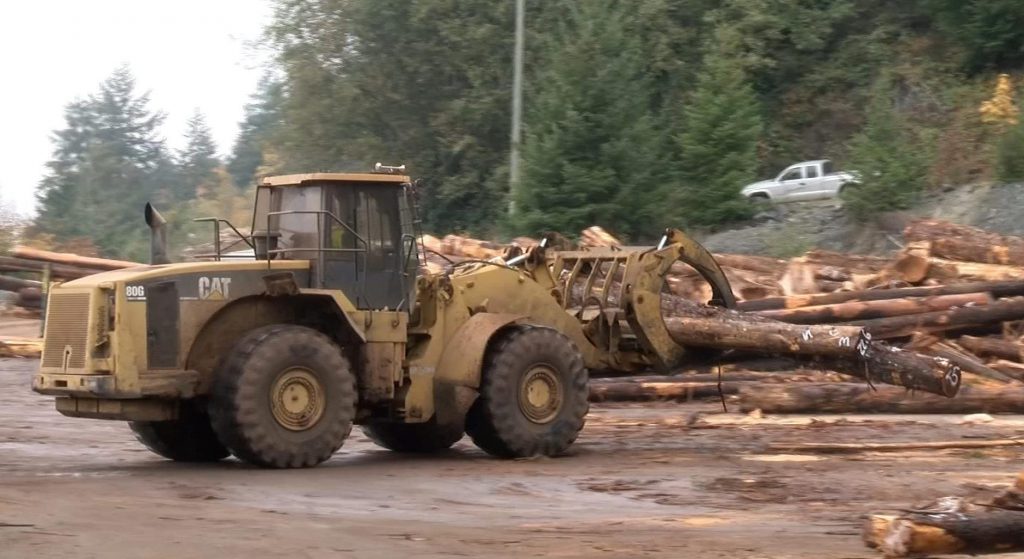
[
  {"x": 948, "y": 270},
  {"x": 953, "y": 525},
  {"x": 960, "y": 242},
  {"x": 841, "y": 349},
  {"x": 722, "y": 329},
  {"x": 71, "y": 259},
  {"x": 860, "y": 310},
  {"x": 855, "y": 263},
  {"x": 938, "y": 321},
  {"x": 992, "y": 347},
  {"x": 659, "y": 391},
  {"x": 1009, "y": 368},
  {"x": 839, "y": 398},
  {"x": 760, "y": 264},
  {"x": 8, "y": 283},
  {"x": 997, "y": 289},
  {"x": 967, "y": 363},
  {"x": 843, "y": 448}
]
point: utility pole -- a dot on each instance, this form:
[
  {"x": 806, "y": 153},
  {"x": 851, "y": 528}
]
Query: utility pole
[{"x": 517, "y": 108}]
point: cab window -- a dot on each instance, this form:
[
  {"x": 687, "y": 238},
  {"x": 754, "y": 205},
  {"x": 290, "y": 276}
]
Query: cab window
[{"x": 792, "y": 175}]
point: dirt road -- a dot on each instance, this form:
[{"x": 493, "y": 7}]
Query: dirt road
[{"x": 640, "y": 483}]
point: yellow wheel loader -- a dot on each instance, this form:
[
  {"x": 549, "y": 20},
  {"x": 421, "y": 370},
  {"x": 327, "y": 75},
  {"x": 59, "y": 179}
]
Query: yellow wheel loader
[{"x": 331, "y": 323}]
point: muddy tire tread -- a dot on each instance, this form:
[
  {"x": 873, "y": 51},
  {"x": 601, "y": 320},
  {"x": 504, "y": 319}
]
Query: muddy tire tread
[
  {"x": 237, "y": 399},
  {"x": 495, "y": 422}
]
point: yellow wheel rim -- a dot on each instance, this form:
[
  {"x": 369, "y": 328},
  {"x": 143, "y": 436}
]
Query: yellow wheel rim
[
  {"x": 540, "y": 394},
  {"x": 297, "y": 399}
]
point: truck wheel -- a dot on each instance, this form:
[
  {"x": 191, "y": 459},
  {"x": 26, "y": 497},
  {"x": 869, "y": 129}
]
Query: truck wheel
[
  {"x": 413, "y": 437},
  {"x": 284, "y": 397},
  {"x": 533, "y": 395},
  {"x": 186, "y": 439}
]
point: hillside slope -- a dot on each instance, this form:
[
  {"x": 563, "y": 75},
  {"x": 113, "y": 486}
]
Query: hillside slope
[{"x": 790, "y": 229}]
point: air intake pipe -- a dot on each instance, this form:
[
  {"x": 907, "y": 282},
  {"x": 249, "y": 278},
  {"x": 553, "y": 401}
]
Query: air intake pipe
[{"x": 157, "y": 236}]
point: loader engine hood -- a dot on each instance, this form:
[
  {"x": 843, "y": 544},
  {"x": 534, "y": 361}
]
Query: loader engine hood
[
  {"x": 144, "y": 318},
  {"x": 169, "y": 272}
]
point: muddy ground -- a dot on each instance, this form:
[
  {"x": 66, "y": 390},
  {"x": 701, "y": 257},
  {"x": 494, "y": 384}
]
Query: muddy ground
[{"x": 643, "y": 481}]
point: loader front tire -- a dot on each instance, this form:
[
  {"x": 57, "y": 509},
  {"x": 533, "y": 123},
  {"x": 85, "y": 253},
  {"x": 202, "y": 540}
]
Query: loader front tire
[
  {"x": 186, "y": 439},
  {"x": 533, "y": 395},
  {"x": 284, "y": 397},
  {"x": 414, "y": 438}
]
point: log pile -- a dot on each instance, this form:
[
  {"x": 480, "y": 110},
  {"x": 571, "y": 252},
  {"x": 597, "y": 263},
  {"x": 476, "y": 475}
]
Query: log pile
[
  {"x": 952, "y": 293},
  {"x": 29, "y": 265}
]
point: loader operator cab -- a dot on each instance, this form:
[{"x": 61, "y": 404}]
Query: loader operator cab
[{"x": 355, "y": 229}]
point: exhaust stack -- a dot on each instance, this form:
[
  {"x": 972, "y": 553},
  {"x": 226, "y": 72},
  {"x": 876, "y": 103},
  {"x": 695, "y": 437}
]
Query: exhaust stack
[{"x": 158, "y": 236}]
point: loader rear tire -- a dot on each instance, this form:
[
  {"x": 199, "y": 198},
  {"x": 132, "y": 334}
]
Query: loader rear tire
[
  {"x": 416, "y": 438},
  {"x": 284, "y": 397},
  {"x": 186, "y": 439},
  {"x": 533, "y": 395}
]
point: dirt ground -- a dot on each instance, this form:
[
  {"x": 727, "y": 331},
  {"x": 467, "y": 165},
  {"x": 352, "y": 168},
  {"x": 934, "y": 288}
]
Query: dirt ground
[{"x": 643, "y": 481}]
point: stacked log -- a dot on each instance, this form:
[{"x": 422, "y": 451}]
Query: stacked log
[
  {"x": 845, "y": 398},
  {"x": 952, "y": 525},
  {"x": 61, "y": 266},
  {"x": 964, "y": 243},
  {"x": 64, "y": 266}
]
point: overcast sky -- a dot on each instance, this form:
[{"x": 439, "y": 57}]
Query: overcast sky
[{"x": 188, "y": 53}]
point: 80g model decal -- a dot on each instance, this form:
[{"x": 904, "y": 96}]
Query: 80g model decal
[{"x": 135, "y": 292}]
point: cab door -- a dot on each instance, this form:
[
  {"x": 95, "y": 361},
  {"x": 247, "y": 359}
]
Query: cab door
[
  {"x": 790, "y": 181},
  {"x": 363, "y": 243},
  {"x": 813, "y": 184}
]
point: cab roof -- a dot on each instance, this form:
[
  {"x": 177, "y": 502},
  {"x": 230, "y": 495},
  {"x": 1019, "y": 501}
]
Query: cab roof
[{"x": 306, "y": 178}]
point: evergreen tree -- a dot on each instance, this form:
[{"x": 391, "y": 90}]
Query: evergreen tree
[
  {"x": 1010, "y": 154},
  {"x": 262, "y": 117},
  {"x": 198, "y": 160},
  {"x": 990, "y": 31},
  {"x": 594, "y": 152},
  {"x": 891, "y": 162},
  {"x": 722, "y": 125},
  {"x": 106, "y": 164}
]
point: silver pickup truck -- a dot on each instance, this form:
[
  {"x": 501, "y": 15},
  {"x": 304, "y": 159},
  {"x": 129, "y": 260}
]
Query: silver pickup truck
[{"x": 809, "y": 180}]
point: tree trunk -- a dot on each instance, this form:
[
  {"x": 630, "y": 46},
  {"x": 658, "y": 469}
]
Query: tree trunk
[
  {"x": 723, "y": 329},
  {"x": 997, "y": 289},
  {"x": 842, "y": 349},
  {"x": 946, "y": 270},
  {"x": 71, "y": 259},
  {"x": 938, "y": 321},
  {"x": 842, "y": 398},
  {"x": 7, "y": 283},
  {"x": 858, "y": 310},
  {"x": 992, "y": 347},
  {"x": 658, "y": 391},
  {"x": 11, "y": 264}
]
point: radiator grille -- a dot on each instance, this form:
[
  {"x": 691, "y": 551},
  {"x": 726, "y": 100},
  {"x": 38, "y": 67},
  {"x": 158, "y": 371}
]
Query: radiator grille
[{"x": 67, "y": 325}]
